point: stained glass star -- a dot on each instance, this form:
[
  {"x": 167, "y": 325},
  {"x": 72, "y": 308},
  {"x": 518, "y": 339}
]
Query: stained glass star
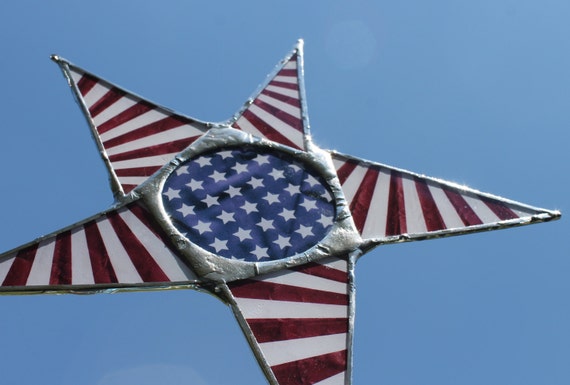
[{"x": 290, "y": 287}]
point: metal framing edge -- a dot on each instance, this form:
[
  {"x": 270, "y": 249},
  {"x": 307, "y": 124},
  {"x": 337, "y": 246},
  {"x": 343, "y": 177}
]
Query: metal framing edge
[
  {"x": 352, "y": 258},
  {"x": 116, "y": 188},
  {"x": 553, "y": 214},
  {"x": 252, "y": 342},
  {"x": 66, "y": 228},
  {"x": 296, "y": 49}
]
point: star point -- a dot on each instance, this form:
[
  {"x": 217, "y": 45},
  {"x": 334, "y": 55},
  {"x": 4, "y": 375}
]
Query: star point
[
  {"x": 195, "y": 185},
  {"x": 226, "y": 217},
  {"x": 243, "y": 234},
  {"x": 262, "y": 159},
  {"x": 277, "y": 174},
  {"x": 287, "y": 214},
  {"x": 186, "y": 210},
  {"x": 210, "y": 201},
  {"x": 255, "y": 183},
  {"x": 271, "y": 198},
  {"x": 233, "y": 191},
  {"x": 265, "y": 224},
  {"x": 182, "y": 171},
  {"x": 305, "y": 231},
  {"x": 218, "y": 176},
  {"x": 259, "y": 252},
  {"x": 283, "y": 242},
  {"x": 219, "y": 245},
  {"x": 171, "y": 193},
  {"x": 203, "y": 227},
  {"x": 309, "y": 204},
  {"x": 249, "y": 207},
  {"x": 292, "y": 190},
  {"x": 204, "y": 161},
  {"x": 240, "y": 168}
]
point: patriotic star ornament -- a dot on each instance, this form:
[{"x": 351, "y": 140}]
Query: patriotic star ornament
[{"x": 250, "y": 210}]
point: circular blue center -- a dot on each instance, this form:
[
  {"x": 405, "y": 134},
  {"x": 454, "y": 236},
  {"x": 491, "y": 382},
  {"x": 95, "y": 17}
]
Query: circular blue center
[{"x": 249, "y": 204}]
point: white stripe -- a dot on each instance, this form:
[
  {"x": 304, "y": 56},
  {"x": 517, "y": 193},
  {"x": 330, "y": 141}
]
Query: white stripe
[
  {"x": 122, "y": 265},
  {"x": 258, "y": 308},
  {"x": 522, "y": 212},
  {"x": 286, "y": 79},
  {"x": 481, "y": 209},
  {"x": 132, "y": 180},
  {"x": 5, "y": 266},
  {"x": 449, "y": 214},
  {"x": 286, "y": 130},
  {"x": 298, "y": 279},
  {"x": 337, "y": 379},
  {"x": 174, "y": 269},
  {"x": 335, "y": 263},
  {"x": 352, "y": 183},
  {"x": 133, "y": 124},
  {"x": 291, "y": 65},
  {"x": 81, "y": 270},
  {"x": 114, "y": 109},
  {"x": 43, "y": 261},
  {"x": 181, "y": 132},
  {"x": 246, "y": 126},
  {"x": 281, "y": 352},
  {"x": 415, "y": 221},
  {"x": 96, "y": 93},
  {"x": 375, "y": 225},
  {"x": 284, "y": 91},
  {"x": 338, "y": 162},
  {"x": 291, "y": 110},
  {"x": 76, "y": 76},
  {"x": 149, "y": 161}
]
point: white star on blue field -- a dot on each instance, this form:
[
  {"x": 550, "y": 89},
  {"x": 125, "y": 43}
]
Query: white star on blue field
[{"x": 246, "y": 205}]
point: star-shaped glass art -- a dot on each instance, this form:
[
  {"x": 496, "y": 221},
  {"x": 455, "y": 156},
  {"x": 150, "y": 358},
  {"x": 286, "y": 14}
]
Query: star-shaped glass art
[{"x": 250, "y": 210}]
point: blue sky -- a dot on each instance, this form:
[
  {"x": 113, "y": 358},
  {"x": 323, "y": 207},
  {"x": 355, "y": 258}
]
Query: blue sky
[{"x": 474, "y": 92}]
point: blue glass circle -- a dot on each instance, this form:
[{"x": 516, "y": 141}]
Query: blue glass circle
[{"x": 249, "y": 203}]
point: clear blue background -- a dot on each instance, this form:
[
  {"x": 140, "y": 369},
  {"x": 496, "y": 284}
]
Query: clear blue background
[{"x": 477, "y": 92}]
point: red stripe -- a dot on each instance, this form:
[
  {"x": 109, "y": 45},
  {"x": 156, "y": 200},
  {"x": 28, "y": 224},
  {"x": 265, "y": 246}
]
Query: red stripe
[
  {"x": 161, "y": 125},
  {"x": 290, "y": 86},
  {"x": 128, "y": 187},
  {"x": 396, "y": 218},
  {"x": 432, "y": 216},
  {"x": 310, "y": 370},
  {"x": 345, "y": 170},
  {"x": 61, "y": 265},
  {"x": 500, "y": 209},
  {"x": 295, "y": 102},
  {"x": 143, "y": 215},
  {"x": 128, "y": 114},
  {"x": 86, "y": 83},
  {"x": 106, "y": 100},
  {"x": 145, "y": 264},
  {"x": 271, "y": 329},
  {"x": 290, "y": 120},
  {"x": 21, "y": 267},
  {"x": 268, "y": 131},
  {"x": 103, "y": 271},
  {"x": 287, "y": 72},
  {"x": 137, "y": 171},
  {"x": 160, "y": 149},
  {"x": 285, "y": 83},
  {"x": 277, "y": 292},
  {"x": 465, "y": 212},
  {"x": 361, "y": 201},
  {"x": 323, "y": 271}
]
